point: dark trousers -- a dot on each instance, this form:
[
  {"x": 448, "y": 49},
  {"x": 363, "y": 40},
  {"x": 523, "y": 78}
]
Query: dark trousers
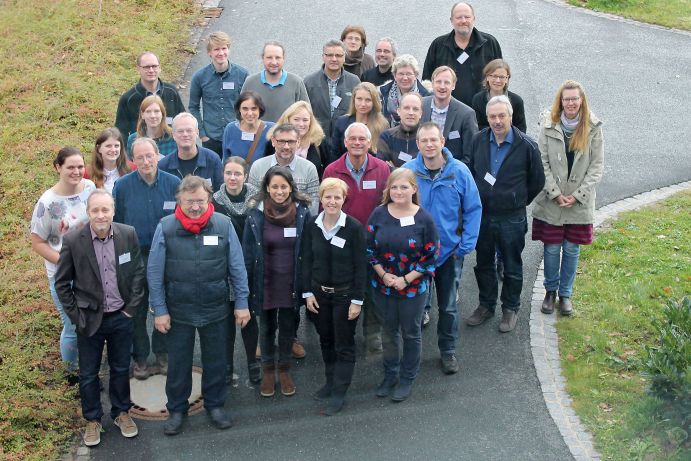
[
  {"x": 371, "y": 323},
  {"x": 116, "y": 332},
  {"x": 212, "y": 339},
  {"x": 447, "y": 279},
  {"x": 216, "y": 146},
  {"x": 250, "y": 339},
  {"x": 283, "y": 320},
  {"x": 336, "y": 338},
  {"x": 508, "y": 235},
  {"x": 141, "y": 348}
]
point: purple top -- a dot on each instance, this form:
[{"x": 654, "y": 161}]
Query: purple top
[
  {"x": 279, "y": 266},
  {"x": 105, "y": 257}
]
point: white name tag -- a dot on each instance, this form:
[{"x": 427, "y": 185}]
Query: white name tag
[
  {"x": 463, "y": 57},
  {"x": 337, "y": 241},
  {"x": 454, "y": 134},
  {"x": 407, "y": 221},
  {"x": 369, "y": 184},
  {"x": 335, "y": 101},
  {"x": 247, "y": 136},
  {"x": 169, "y": 120},
  {"x": 290, "y": 232},
  {"x": 168, "y": 205},
  {"x": 124, "y": 258},
  {"x": 490, "y": 179},
  {"x": 228, "y": 85},
  {"x": 211, "y": 240},
  {"x": 405, "y": 157}
]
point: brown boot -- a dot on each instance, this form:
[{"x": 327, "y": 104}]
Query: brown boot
[
  {"x": 287, "y": 384},
  {"x": 548, "y": 303},
  {"x": 268, "y": 386}
]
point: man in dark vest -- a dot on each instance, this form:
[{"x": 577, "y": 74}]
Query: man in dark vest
[{"x": 194, "y": 256}]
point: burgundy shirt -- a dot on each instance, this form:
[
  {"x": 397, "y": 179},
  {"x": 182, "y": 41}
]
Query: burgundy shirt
[{"x": 105, "y": 256}]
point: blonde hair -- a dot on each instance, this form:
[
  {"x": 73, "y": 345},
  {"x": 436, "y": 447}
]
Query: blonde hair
[
  {"x": 376, "y": 122},
  {"x": 163, "y": 128},
  {"x": 401, "y": 173},
  {"x": 315, "y": 134},
  {"x": 579, "y": 139},
  {"x": 333, "y": 183},
  {"x": 217, "y": 38}
]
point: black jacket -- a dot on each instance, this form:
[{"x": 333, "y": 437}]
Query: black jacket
[
  {"x": 128, "y": 105},
  {"x": 480, "y": 101}
]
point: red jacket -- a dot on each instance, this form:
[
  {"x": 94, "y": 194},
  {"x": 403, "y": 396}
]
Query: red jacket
[{"x": 362, "y": 198}]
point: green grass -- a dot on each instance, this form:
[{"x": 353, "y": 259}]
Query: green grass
[
  {"x": 634, "y": 266},
  {"x": 668, "y": 13},
  {"x": 62, "y": 69}
]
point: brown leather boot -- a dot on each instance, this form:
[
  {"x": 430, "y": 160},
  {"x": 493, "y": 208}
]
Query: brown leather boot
[
  {"x": 268, "y": 386},
  {"x": 287, "y": 384}
]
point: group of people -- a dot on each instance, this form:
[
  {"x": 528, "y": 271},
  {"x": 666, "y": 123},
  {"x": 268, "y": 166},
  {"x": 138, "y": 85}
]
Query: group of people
[{"x": 354, "y": 193}]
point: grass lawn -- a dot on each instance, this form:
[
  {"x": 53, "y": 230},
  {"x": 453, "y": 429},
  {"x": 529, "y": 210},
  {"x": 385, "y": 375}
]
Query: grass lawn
[
  {"x": 668, "y": 13},
  {"x": 634, "y": 266},
  {"x": 62, "y": 69}
]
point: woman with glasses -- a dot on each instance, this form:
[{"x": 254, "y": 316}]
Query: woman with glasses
[
  {"x": 571, "y": 147},
  {"x": 497, "y": 74},
  {"x": 356, "y": 60},
  {"x": 406, "y": 71}
]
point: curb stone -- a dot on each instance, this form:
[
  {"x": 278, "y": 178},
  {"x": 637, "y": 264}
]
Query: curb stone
[{"x": 544, "y": 342}]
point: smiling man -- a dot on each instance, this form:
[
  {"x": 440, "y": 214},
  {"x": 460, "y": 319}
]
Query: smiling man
[
  {"x": 397, "y": 145},
  {"x": 384, "y": 54}
]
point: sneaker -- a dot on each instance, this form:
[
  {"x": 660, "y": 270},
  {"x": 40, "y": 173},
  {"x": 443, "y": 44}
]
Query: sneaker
[
  {"x": 127, "y": 427},
  {"x": 141, "y": 370},
  {"x": 92, "y": 433},
  {"x": 449, "y": 364},
  {"x": 298, "y": 350},
  {"x": 479, "y": 316},
  {"x": 425, "y": 318}
]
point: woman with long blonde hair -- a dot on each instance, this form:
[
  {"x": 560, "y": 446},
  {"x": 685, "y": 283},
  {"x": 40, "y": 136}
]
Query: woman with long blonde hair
[
  {"x": 301, "y": 116},
  {"x": 153, "y": 124}
]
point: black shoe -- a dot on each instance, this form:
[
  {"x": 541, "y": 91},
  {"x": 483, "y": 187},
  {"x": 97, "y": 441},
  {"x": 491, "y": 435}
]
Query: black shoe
[
  {"x": 386, "y": 386},
  {"x": 548, "y": 303},
  {"x": 401, "y": 392},
  {"x": 449, "y": 364},
  {"x": 219, "y": 418},
  {"x": 173, "y": 425},
  {"x": 255, "y": 372},
  {"x": 323, "y": 392},
  {"x": 334, "y": 406}
]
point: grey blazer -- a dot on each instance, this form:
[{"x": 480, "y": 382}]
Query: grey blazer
[
  {"x": 318, "y": 91},
  {"x": 459, "y": 128}
]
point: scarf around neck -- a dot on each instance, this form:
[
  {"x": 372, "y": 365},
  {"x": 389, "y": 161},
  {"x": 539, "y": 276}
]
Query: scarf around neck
[
  {"x": 569, "y": 126},
  {"x": 280, "y": 214},
  {"x": 194, "y": 225},
  {"x": 394, "y": 100}
]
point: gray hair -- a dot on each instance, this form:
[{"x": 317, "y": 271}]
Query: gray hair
[
  {"x": 501, "y": 99},
  {"x": 391, "y": 42},
  {"x": 192, "y": 183},
  {"x": 182, "y": 115},
  {"x": 333, "y": 42},
  {"x": 362, "y": 125},
  {"x": 100, "y": 192},
  {"x": 406, "y": 60},
  {"x": 145, "y": 140}
]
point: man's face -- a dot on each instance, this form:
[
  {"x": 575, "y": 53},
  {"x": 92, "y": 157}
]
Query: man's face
[
  {"x": 463, "y": 20},
  {"x": 273, "y": 59},
  {"x": 429, "y": 142},
  {"x": 383, "y": 55},
  {"x": 149, "y": 68},
  {"x": 146, "y": 159},
  {"x": 357, "y": 143},
  {"x": 194, "y": 204},
  {"x": 443, "y": 85},
  {"x": 334, "y": 58},
  {"x": 219, "y": 54},
  {"x": 100, "y": 212},
  {"x": 499, "y": 119},
  {"x": 410, "y": 111},
  {"x": 185, "y": 133},
  {"x": 285, "y": 144}
]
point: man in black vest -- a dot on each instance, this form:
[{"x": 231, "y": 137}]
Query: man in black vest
[{"x": 194, "y": 255}]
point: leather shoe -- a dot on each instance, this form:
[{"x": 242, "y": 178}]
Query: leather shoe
[
  {"x": 334, "y": 406},
  {"x": 386, "y": 386},
  {"x": 479, "y": 316},
  {"x": 548, "y": 303},
  {"x": 449, "y": 364},
  {"x": 565, "y": 306},
  {"x": 173, "y": 425},
  {"x": 401, "y": 392},
  {"x": 508, "y": 320},
  {"x": 219, "y": 418},
  {"x": 298, "y": 350}
]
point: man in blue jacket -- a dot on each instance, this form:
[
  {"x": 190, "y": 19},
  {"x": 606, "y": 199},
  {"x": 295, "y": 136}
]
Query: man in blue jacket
[{"x": 447, "y": 191}]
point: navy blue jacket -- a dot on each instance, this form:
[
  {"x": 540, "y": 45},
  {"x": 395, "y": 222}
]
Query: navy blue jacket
[
  {"x": 208, "y": 166},
  {"x": 384, "y": 91}
]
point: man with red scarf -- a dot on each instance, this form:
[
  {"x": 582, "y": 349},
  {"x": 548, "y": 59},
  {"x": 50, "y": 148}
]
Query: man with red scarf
[{"x": 194, "y": 256}]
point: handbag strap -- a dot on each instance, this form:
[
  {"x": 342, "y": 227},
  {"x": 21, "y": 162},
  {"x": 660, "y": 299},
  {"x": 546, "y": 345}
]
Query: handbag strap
[{"x": 258, "y": 134}]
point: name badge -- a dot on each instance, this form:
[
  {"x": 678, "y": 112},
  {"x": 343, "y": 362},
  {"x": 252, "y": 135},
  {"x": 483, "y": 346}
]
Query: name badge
[
  {"x": 407, "y": 221},
  {"x": 211, "y": 240},
  {"x": 168, "y": 205},
  {"x": 490, "y": 179},
  {"x": 405, "y": 157},
  {"x": 335, "y": 101},
  {"x": 369, "y": 184},
  {"x": 337, "y": 241},
  {"x": 454, "y": 134},
  {"x": 247, "y": 136},
  {"x": 169, "y": 120},
  {"x": 290, "y": 232},
  {"x": 124, "y": 258},
  {"x": 463, "y": 57},
  {"x": 228, "y": 85}
]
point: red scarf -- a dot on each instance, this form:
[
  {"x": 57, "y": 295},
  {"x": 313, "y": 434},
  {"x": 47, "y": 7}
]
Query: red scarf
[{"x": 195, "y": 225}]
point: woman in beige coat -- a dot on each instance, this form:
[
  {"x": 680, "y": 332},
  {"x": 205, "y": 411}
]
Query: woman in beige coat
[{"x": 572, "y": 155}]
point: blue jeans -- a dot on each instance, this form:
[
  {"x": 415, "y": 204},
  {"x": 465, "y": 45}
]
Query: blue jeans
[
  {"x": 212, "y": 339},
  {"x": 507, "y": 233},
  {"x": 68, "y": 336},
  {"x": 116, "y": 332},
  {"x": 402, "y": 318},
  {"x": 556, "y": 279},
  {"x": 447, "y": 279}
]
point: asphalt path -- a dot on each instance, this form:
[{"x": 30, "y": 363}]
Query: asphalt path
[{"x": 637, "y": 79}]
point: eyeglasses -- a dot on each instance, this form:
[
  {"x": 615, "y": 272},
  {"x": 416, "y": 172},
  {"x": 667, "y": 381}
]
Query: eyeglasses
[
  {"x": 194, "y": 202},
  {"x": 151, "y": 67},
  {"x": 285, "y": 142},
  {"x": 334, "y": 55},
  {"x": 573, "y": 99},
  {"x": 498, "y": 77}
]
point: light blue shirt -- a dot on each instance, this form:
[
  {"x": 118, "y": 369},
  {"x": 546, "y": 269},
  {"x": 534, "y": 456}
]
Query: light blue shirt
[
  {"x": 281, "y": 81},
  {"x": 356, "y": 174}
]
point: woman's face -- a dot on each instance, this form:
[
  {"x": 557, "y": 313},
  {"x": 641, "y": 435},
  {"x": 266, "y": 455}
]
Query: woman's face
[
  {"x": 278, "y": 189},
  {"x": 405, "y": 78},
  {"x": 249, "y": 111},
  {"x": 353, "y": 41},
  {"x": 110, "y": 150},
  {"x": 401, "y": 192},
  {"x": 363, "y": 102},
  {"x": 496, "y": 80},
  {"x": 234, "y": 177},
  {"x": 571, "y": 102},
  {"x": 72, "y": 171},
  {"x": 153, "y": 116},
  {"x": 301, "y": 120},
  {"x": 332, "y": 201}
]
